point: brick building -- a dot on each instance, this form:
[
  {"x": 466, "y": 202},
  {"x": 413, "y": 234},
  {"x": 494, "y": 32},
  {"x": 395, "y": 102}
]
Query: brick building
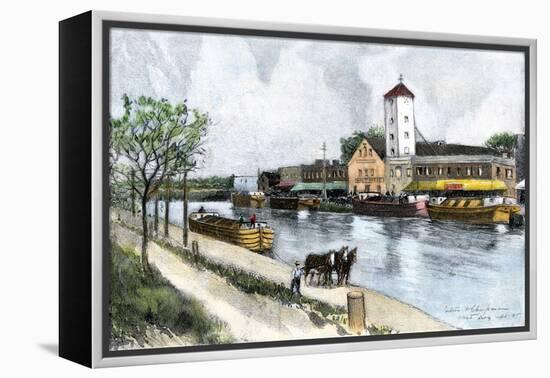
[
  {"x": 366, "y": 168},
  {"x": 335, "y": 171},
  {"x": 404, "y": 159},
  {"x": 291, "y": 173}
]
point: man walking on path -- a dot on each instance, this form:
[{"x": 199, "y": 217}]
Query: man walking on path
[{"x": 296, "y": 277}]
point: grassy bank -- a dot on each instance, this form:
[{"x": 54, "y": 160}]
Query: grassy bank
[
  {"x": 140, "y": 303},
  {"x": 247, "y": 282},
  {"x": 334, "y": 207},
  {"x": 250, "y": 283}
]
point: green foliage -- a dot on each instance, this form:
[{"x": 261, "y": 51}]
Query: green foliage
[
  {"x": 250, "y": 283},
  {"x": 380, "y": 330},
  {"x": 156, "y": 139},
  {"x": 140, "y": 301},
  {"x": 254, "y": 284},
  {"x": 334, "y": 207},
  {"x": 245, "y": 281},
  {"x": 213, "y": 182},
  {"x": 376, "y": 131},
  {"x": 151, "y": 141},
  {"x": 350, "y": 144},
  {"x": 503, "y": 142}
]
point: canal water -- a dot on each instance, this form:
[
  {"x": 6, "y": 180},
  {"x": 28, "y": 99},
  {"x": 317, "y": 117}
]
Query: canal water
[{"x": 469, "y": 276}]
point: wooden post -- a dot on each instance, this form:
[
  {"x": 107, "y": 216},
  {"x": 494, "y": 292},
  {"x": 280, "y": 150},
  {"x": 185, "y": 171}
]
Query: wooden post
[
  {"x": 156, "y": 220},
  {"x": 195, "y": 251},
  {"x": 133, "y": 192},
  {"x": 167, "y": 207},
  {"x": 185, "y": 204},
  {"x": 356, "y": 311}
]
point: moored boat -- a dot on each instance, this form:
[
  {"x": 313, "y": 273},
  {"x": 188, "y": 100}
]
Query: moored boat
[
  {"x": 391, "y": 207},
  {"x": 309, "y": 203},
  {"x": 284, "y": 203},
  {"x": 469, "y": 201},
  {"x": 252, "y": 199},
  {"x": 257, "y": 239},
  {"x": 295, "y": 203},
  {"x": 475, "y": 210}
]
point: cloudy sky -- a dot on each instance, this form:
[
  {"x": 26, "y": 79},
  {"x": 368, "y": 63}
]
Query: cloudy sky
[{"x": 274, "y": 101}]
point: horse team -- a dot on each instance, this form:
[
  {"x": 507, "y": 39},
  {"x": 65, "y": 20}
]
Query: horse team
[{"x": 322, "y": 266}]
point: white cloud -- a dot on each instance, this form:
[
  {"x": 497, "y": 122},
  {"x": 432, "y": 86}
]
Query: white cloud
[
  {"x": 274, "y": 101},
  {"x": 462, "y": 96},
  {"x": 264, "y": 125}
]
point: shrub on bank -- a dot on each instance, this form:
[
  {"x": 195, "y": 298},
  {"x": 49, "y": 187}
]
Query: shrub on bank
[
  {"x": 334, "y": 207},
  {"x": 140, "y": 301},
  {"x": 250, "y": 283}
]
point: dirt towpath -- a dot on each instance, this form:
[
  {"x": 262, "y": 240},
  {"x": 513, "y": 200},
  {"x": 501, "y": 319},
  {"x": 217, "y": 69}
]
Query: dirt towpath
[
  {"x": 249, "y": 317},
  {"x": 380, "y": 309}
]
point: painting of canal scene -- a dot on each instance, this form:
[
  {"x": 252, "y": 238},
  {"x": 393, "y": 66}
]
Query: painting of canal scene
[{"x": 270, "y": 189}]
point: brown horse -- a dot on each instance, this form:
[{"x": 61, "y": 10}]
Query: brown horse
[
  {"x": 323, "y": 265},
  {"x": 345, "y": 262},
  {"x": 320, "y": 264}
]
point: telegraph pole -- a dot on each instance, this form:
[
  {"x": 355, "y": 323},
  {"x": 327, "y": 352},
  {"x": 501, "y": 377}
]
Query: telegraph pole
[{"x": 324, "y": 149}]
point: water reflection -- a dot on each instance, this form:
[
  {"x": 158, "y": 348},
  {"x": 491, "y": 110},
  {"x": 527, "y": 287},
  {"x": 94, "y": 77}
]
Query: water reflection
[{"x": 432, "y": 265}]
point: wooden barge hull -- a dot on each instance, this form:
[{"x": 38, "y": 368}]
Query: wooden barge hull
[
  {"x": 284, "y": 203},
  {"x": 498, "y": 214},
  {"x": 259, "y": 239},
  {"x": 309, "y": 203},
  {"x": 390, "y": 209},
  {"x": 247, "y": 200},
  {"x": 294, "y": 203}
]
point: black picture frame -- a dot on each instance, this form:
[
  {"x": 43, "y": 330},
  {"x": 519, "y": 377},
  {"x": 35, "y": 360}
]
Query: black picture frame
[{"x": 76, "y": 272}]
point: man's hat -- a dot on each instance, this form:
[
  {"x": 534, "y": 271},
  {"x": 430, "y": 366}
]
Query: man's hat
[{"x": 296, "y": 263}]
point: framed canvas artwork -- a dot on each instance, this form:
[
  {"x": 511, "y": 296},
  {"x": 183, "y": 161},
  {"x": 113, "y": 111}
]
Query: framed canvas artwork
[{"x": 232, "y": 189}]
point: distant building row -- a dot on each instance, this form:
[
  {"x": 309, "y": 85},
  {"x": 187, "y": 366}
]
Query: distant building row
[
  {"x": 370, "y": 170},
  {"x": 390, "y": 163}
]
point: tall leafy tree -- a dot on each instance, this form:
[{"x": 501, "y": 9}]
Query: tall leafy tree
[
  {"x": 188, "y": 161},
  {"x": 376, "y": 131},
  {"x": 502, "y": 142},
  {"x": 153, "y": 139},
  {"x": 349, "y": 145}
]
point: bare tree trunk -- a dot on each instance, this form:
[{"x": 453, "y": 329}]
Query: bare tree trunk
[
  {"x": 145, "y": 237},
  {"x": 185, "y": 233},
  {"x": 133, "y": 192},
  {"x": 167, "y": 207},
  {"x": 156, "y": 220}
]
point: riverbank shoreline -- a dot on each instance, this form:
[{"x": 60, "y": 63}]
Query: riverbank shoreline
[
  {"x": 248, "y": 317},
  {"x": 380, "y": 309}
]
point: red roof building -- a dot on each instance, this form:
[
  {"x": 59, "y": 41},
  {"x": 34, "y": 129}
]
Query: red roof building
[{"x": 399, "y": 90}]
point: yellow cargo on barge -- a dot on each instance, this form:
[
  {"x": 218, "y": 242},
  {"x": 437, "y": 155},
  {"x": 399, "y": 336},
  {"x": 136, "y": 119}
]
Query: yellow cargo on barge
[
  {"x": 309, "y": 203},
  {"x": 470, "y": 201},
  {"x": 472, "y": 210},
  {"x": 257, "y": 239}
]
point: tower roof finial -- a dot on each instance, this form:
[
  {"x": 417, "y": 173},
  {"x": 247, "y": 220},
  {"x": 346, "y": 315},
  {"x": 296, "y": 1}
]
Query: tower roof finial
[{"x": 399, "y": 90}]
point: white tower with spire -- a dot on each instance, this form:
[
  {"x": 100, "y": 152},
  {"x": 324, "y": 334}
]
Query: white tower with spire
[{"x": 399, "y": 121}]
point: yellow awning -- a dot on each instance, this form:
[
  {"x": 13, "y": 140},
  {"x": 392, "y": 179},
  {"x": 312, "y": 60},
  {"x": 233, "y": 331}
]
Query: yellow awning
[{"x": 448, "y": 185}]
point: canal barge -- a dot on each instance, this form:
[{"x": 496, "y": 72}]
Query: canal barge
[
  {"x": 309, "y": 203},
  {"x": 475, "y": 210},
  {"x": 381, "y": 206},
  {"x": 469, "y": 201},
  {"x": 295, "y": 203},
  {"x": 284, "y": 203},
  {"x": 256, "y": 238},
  {"x": 253, "y": 199}
]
